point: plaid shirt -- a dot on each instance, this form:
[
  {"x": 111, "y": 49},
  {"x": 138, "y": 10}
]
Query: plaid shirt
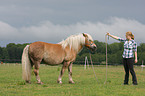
[{"x": 129, "y": 48}]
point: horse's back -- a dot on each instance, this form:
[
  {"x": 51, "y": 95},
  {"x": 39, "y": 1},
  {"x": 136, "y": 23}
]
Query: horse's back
[{"x": 50, "y": 53}]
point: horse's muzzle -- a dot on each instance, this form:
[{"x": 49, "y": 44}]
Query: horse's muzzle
[{"x": 93, "y": 49}]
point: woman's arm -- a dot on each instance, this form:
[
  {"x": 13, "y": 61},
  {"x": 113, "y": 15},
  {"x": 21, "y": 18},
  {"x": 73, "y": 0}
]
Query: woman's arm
[
  {"x": 136, "y": 57},
  {"x": 115, "y": 37},
  {"x": 135, "y": 51}
]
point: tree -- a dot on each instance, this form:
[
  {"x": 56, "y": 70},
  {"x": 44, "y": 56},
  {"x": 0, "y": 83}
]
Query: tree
[
  {"x": 1, "y": 51},
  {"x": 5, "y": 55},
  {"x": 141, "y": 53},
  {"x": 101, "y": 47}
]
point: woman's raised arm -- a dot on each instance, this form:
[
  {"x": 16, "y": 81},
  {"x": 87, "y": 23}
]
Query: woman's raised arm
[{"x": 115, "y": 37}]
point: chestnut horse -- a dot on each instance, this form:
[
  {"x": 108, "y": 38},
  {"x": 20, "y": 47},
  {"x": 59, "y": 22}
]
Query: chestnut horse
[{"x": 52, "y": 54}]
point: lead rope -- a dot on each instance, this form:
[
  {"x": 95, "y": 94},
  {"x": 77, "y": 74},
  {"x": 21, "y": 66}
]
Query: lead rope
[
  {"x": 93, "y": 67},
  {"x": 106, "y": 58}
]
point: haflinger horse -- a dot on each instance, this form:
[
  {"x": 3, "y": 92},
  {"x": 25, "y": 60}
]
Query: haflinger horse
[{"x": 53, "y": 54}]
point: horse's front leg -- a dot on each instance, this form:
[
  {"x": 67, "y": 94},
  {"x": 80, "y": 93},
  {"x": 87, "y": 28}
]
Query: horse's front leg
[
  {"x": 65, "y": 65},
  {"x": 70, "y": 73}
]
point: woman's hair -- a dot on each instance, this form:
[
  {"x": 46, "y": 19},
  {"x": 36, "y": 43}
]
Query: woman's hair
[{"x": 130, "y": 34}]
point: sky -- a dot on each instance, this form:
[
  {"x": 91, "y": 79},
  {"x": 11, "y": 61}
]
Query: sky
[{"x": 27, "y": 21}]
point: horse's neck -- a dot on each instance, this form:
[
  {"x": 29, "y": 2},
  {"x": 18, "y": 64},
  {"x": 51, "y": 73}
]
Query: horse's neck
[
  {"x": 80, "y": 48},
  {"x": 68, "y": 49},
  {"x": 70, "y": 54}
]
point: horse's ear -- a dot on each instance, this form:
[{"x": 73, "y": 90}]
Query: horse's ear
[{"x": 85, "y": 35}]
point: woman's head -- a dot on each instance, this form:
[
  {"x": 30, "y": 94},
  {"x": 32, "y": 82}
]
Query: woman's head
[{"x": 129, "y": 35}]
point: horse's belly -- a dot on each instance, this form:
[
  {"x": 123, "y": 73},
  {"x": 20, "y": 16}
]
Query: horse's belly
[{"x": 53, "y": 60}]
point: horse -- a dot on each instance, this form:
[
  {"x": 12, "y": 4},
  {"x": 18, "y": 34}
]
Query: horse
[{"x": 53, "y": 54}]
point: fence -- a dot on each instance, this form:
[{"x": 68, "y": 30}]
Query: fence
[
  {"x": 10, "y": 60},
  {"x": 76, "y": 62}
]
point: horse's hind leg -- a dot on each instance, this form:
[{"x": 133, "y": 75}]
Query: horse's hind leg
[{"x": 36, "y": 71}]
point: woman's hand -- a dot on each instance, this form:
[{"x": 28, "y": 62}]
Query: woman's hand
[
  {"x": 108, "y": 33},
  {"x": 135, "y": 61}
]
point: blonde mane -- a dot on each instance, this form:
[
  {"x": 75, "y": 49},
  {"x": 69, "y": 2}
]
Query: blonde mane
[{"x": 74, "y": 41}]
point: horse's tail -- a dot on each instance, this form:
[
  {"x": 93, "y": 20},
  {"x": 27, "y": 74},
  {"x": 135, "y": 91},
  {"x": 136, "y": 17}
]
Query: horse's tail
[{"x": 26, "y": 65}]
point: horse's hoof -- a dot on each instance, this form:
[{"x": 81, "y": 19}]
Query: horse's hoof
[
  {"x": 71, "y": 82},
  {"x": 29, "y": 82},
  {"x": 41, "y": 83},
  {"x": 60, "y": 82}
]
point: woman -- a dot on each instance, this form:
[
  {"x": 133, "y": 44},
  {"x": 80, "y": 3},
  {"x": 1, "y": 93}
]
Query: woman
[{"x": 130, "y": 47}]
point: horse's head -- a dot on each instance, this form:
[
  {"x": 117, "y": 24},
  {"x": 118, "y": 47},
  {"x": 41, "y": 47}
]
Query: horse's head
[{"x": 89, "y": 43}]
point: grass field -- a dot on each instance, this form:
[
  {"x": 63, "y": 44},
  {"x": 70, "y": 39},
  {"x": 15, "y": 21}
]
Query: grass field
[{"x": 11, "y": 83}]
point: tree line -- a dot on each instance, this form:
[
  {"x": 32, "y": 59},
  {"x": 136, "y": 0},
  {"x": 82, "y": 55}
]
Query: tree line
[{"x": 12, "y": 53}]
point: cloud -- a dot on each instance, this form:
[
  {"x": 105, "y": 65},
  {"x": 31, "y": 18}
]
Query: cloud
[
  {"x": 53, "y": 33},
  {"x": 7, "y": 32}
]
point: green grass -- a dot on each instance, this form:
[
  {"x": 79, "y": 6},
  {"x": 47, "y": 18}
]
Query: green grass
[{"x": 11, "y": 82}]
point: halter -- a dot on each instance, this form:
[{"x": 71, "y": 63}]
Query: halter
[{"x": 90, "y": 43}]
